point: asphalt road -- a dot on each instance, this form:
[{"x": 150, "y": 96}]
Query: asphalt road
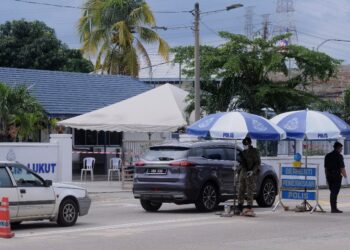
[{"x": 117, "y": 221}]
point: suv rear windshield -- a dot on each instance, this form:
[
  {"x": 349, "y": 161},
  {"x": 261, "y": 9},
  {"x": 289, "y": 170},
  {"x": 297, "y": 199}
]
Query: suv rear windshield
[{"x": 166, "y": 153}]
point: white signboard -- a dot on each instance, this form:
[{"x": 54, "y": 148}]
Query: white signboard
[
  {"x": 42, "y": 159},
  {"x": 52, "y": 161}
]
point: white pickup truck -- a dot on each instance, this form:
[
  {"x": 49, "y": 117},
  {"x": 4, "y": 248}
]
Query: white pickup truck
[{"x": 33, "y": 198}]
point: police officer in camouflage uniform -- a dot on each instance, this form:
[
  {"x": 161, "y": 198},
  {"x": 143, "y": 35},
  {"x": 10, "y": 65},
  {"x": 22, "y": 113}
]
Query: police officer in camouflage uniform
[{"x": 250, "y": 164}]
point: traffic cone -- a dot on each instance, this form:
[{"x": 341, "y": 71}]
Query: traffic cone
[{"x": 5, "y": 226}]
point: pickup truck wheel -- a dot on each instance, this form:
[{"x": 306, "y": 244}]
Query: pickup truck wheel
[
  {"x": 150, "y": 206},
  {"x": 68, "y": 213}
]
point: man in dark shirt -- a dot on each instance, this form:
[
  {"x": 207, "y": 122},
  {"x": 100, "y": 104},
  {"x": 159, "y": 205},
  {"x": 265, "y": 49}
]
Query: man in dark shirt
[{"x": 335, "y": 170}]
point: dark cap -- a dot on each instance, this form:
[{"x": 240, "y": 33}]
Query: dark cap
[
  {"x": 247, "y": 141},
  {"x": 337, "y": 145}
]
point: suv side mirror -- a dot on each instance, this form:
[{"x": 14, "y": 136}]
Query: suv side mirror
[{"x": 48, "y": 183}]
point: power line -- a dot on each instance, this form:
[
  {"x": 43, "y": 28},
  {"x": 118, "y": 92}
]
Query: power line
[
  {"x": 329, "y": 34},
  {"x": 210, "y": 29},
  {"x": 49, "y": 4},
  {"x": 311, "y": 35},
  {"x": 155, "y": 65},
  {"x": 171, "y": 27},
  {"x": 171, "y": 12},
  {"x": 82, "y": 8}
]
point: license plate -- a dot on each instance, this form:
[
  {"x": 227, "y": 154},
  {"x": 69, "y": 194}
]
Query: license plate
[{"x": 156, "y": 171}]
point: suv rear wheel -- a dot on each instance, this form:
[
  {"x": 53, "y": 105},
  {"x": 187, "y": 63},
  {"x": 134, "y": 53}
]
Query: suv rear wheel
[
  {"x": 267, "y": 194},
  {"x": 150, "y": 206},
  {"x": 208, "y": 198}
]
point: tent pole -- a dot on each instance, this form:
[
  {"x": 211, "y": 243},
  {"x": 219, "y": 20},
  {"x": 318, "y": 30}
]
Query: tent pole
[{"x": 105, "y": 149}]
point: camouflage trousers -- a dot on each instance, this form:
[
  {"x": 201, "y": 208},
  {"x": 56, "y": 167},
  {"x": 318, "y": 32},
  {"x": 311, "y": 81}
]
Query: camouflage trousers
[{"x": 246, "y": 187}]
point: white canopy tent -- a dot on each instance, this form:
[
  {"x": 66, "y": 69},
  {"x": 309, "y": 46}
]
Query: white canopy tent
[{"x": 158, "y": 110}]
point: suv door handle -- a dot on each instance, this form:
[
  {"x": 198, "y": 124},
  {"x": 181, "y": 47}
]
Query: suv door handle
[{"x": 22, "y": 191}]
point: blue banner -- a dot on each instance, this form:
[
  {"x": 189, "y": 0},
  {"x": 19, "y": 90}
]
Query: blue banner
[
  {"x": 296, "y": 183},
  {"x": 298, "y": 171},
  {"x": 296, "y": 195}
]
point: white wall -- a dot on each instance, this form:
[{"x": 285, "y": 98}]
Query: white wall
[{"x": 52, "y": 161}]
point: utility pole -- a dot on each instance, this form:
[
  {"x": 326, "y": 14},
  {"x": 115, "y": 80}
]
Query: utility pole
[
  {"x": 249, "y": 27},
  {"x": 180, "y": 77},
  {"x": 265, "y": 33},
  {"x": 285, "y": 20},
  {"x": 197, "y": 87}
]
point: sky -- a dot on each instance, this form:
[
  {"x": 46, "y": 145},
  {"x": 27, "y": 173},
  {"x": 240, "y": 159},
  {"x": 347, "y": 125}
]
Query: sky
[{"x": 314, "y": 20}]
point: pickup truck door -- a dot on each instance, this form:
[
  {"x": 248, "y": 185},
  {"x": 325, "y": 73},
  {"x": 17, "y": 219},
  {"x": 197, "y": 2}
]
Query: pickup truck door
[
  {"x": 35, "y": 199},
  {"x": 8, "y": 189}
]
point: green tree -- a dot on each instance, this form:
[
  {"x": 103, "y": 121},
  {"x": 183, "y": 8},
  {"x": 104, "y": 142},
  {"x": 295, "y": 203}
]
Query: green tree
[
  {"x": 76, "y": 63},
  {"x": 253, "y": 74},
  {"x": 33, "y": 45},
  {"x": 346, "y": 105},
  {"x": 116, "y": 31},
  {"x": 20, "y": 114}
]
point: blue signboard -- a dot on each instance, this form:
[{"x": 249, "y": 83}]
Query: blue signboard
[
  {"x": 298, "y": 171},
  {"x": 296, "y": 195},
  {"x": 296, "y": 183}
]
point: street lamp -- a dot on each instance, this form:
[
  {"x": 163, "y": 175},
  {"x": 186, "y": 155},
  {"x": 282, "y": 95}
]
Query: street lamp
[
  {"x": 331, "y": 39},
  {"x": 323, "y": 42},
  {"x": 234, "y": 6},
  {"x": 159, "y": 27},
  {"x": 197, "y": 87}
]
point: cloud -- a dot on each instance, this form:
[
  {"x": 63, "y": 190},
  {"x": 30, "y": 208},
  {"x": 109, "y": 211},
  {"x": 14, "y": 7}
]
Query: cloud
[{"x": 316, "y": 20}]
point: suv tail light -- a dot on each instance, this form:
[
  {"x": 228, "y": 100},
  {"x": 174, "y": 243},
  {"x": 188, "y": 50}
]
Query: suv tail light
[
  {"x": 140, "y": 163},
  {"x": 182, "y": 164}
]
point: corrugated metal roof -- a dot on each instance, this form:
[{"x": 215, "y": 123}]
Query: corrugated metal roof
[{"x": 69, "y": 94}]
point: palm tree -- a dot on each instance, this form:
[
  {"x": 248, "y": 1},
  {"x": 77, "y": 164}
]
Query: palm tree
[
  {"x": 19, "y": 113},
  {"x": 5, "y": 114},
  {"x": 115, "y": 31}
]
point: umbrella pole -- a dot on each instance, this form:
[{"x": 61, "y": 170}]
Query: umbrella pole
[
  {"x": 227, "y": 212},
  {"x": 235, "y": 179},
  {"x": 306, "y": 153},
  {"x": 306, "y": 205}
]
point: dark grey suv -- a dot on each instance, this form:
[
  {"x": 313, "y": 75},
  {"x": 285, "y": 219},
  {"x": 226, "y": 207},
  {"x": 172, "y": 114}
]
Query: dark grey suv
[{"x": 195, "y": 172}]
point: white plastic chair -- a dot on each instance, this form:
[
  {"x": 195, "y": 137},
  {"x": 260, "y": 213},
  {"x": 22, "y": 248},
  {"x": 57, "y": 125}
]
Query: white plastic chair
[
  {"x": 115, "y": 166},
  {"x": 88, "y": 166}
]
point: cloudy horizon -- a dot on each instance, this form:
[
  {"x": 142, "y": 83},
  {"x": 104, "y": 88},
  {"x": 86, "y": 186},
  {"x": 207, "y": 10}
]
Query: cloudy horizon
[{"x": 315, "y": 21}]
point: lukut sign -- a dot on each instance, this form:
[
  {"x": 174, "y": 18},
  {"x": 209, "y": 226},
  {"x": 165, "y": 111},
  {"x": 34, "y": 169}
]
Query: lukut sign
[{"x": 43, "y": 168}]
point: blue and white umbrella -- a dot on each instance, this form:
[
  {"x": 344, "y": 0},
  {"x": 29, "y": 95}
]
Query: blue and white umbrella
[
  {"x": 312, "y": 125},
  {"x": 236, "y": 125}
]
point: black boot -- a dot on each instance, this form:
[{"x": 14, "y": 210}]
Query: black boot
[
  {"x": 333, "y": 201},
  {"x": 336, "y": 211}
]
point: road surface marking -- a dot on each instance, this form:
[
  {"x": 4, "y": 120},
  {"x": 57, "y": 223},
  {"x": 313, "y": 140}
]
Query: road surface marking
[{"x": 109, "y": 227}]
